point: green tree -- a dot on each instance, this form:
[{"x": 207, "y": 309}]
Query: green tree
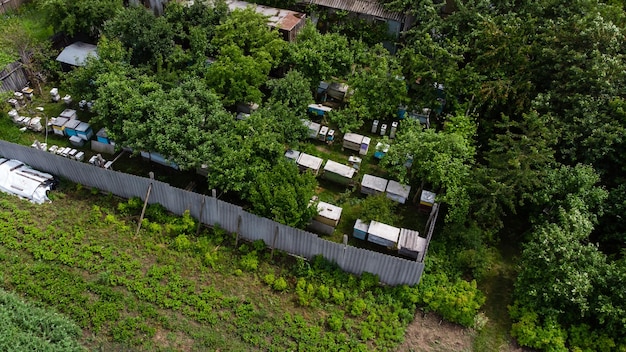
[
  {"x": 149, "y": 39},
  {"x": 283, "y": 194},
  {"x": 293, "y": 91},
  {"x": 441, "y": 159},
  {"x": 76, "y": 17},
  {"x": 320, "y": 56},
  {"x": 379, "y": 87}
]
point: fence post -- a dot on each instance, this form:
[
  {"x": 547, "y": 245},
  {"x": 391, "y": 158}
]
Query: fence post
[
  {"x": 145, "y": 203},
  {"x": 238, "y": 231},
  {"x": 345, "y": 246},
  {"x": 200, "y": 217},
  {"x": 274, "y": 243}
]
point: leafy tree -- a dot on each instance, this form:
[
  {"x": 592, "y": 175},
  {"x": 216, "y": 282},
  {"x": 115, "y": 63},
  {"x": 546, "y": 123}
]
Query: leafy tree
[
  {"x": 148, "y": 38},
  {"x": 441, "y": 159},
  {"x": 283, "y": 194},
  {"x": 293, "y": 91},
  {"x": 320, "y": 56},
  {"x": 284, "y": 122},
  {"x": 76, "y": 17},
  {"x": 379, "y": 88}
]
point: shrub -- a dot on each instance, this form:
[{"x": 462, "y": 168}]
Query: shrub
[
  {"x": 249, "y": 262},
  {"x": 323, "y": 292},
  {"x": 335, "y": 321},
  {"x": 338, "y": 297},
  {"x": 269, "y": 279},
  {"x": 357, "y": 307},
  {"x": 182, "y": 243},
  {"x": 280, "y": 284},
  {"x": 238, "y": 272},
  {"x": 211, "y": 258},
  {"x": 130, "y": 207}
]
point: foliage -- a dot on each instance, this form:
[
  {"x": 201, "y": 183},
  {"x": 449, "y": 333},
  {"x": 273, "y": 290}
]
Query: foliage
[
  {"x": 149, "y": 39},
  {"x": 283, "y": 194},
  {"x": 76, "y": 17},
  {"x": 292, "y": 91},
  {"x": 379, "y": 208},
  {"x": 320, "y": 56},
  {"x": 26, "y": 326}
]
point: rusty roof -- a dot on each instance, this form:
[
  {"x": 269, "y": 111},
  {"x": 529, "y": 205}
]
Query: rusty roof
[{"x": 366, "y": 7}]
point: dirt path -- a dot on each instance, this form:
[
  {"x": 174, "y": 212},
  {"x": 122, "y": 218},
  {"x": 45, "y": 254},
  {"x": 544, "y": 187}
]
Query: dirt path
[{"x": 429, "y": 333}]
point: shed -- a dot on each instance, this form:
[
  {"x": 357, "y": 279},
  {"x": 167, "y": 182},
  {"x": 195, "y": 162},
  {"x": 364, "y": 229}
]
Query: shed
[
  {"x": 70, "y": 127},
  {"x": 319, "y": 109},
  {"x": 76, "y": 54},
  {"x": 427, "y": 199},
  {"x": 383, "y": 234},
  {"x": 410, "y": 243},
  {"x": 58, "y": 125},
  {"x": 373, "y": 184},
  {"x": 337, "y": 172},
  {"x": 23, "y": 181},
  {"x": 352, "y": 141},
  {"x": 360, "y": 229},
  {"x": 397, "y": 191},
  {"x": 328, "y": 214},
  {"x": 292, "y": 155},
  {"x": 69, "y": 113},
  {"x": 313, "y": 127},
  {"x": 84, "y": 131},
  {"x": 309, "y": 162}
]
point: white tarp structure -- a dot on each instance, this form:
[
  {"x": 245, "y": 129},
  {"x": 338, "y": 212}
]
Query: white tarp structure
[{"x": 19, "y": 179}]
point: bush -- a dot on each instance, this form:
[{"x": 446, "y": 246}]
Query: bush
[
  {"x": 269, "y": 279},
  {"x": 182, "y": 243},
  {"x": 249, "y": 262},
  {"x": 323, "y": 292},
  {"x": 280, "y": 284},
  {"x": 130, "y": 207},
  {"x": 357, "y": 307},
  {"x": 335, "y": 321},
  {"x": 338, "y": 297}
]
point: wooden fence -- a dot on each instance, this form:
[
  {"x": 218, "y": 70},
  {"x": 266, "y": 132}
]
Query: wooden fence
[
  {"x": 8, "y": 5},
  {"x": 13, "y": 77}
]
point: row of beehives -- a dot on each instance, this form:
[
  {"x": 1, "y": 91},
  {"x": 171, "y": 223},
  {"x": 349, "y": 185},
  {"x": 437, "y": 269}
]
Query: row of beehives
[
  {"x": 31, "y": 123},
  {"x": 406, "y": 242}
]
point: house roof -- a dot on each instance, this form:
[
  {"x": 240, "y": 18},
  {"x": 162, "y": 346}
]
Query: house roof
[
  {"x": 279, "y": 18},
  {"x": 76, "y": 54},
  {"x": 366, "y": 7}
]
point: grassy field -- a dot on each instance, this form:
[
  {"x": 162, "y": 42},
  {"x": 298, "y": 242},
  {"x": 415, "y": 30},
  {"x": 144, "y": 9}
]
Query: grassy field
[{"x": 166, "y": 289}]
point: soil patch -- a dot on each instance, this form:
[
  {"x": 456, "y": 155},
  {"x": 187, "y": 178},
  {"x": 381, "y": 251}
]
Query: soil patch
[{"x": 430, "y": 333}]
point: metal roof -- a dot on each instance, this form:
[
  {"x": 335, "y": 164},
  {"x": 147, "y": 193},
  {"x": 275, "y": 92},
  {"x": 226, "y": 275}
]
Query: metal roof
[
  {"x": 361, "y": 225},
  {"x": 76, "y": 54},
  {"x": 82, "y": 127},
  {"x": 366, "y": 7},
  {"x": 72, "y": 124},
  {"x": 411, "y": 240},
  {"x": 69, "y": 113},
  {"x": 279, "y": 18},
  {"x": 59, "y": 121},
  {"x": 384, "y": 231},
  {"x": 309, "y": 161},
  {"x": 339, "y": 169},
  {"x": 397, "y": 188},
  {"x": 23, "y": 181},
  {"x": 353, "y": 138},
  {"x": 292, "y": 154},
  {"x": 373, "y": 182},
  {"x": 329, "y": 211}
]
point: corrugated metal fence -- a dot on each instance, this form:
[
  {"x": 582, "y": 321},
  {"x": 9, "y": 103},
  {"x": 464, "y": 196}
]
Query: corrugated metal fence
[
  {"x": 13, "y": 78},
  {"x": 212, "y": 211},
  {"x": 7, "y": 5}
]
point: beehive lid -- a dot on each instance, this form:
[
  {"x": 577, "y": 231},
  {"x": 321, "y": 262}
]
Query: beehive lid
[
  {"x": 353, "y": 138},
  {"x": 309, "y": 161},
  {"x": 397, "y": 188},
  {"x": 361, "y": 225},
  {"x": 373, "y": 182},
  {"x": 384, "y": 231},
  {"x": 329, "y": 211},
  {"x": 427, "y": 197},
  {"x": 339, "y": 169}
]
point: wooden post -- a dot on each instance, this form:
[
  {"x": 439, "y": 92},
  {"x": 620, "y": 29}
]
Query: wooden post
[
  {"x": 200, "y": 218},
  {"x": 145, "y": 204},
  {"x": 343, "y": 257},
  {"x": 274, "y": 243},
  {"x": 238, "y": 231}
]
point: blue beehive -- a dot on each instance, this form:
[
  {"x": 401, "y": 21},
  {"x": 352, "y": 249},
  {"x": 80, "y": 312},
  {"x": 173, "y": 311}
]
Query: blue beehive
[
  {"x": 84, "y": 131},
  {"x": 70, "y": 127},
  {"x": 102, "y": 137},
  {"x": 360, "y": 229}
]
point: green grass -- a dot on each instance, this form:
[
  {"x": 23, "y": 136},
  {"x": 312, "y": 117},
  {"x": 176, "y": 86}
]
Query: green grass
[{"x": 163, "y": 290}]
